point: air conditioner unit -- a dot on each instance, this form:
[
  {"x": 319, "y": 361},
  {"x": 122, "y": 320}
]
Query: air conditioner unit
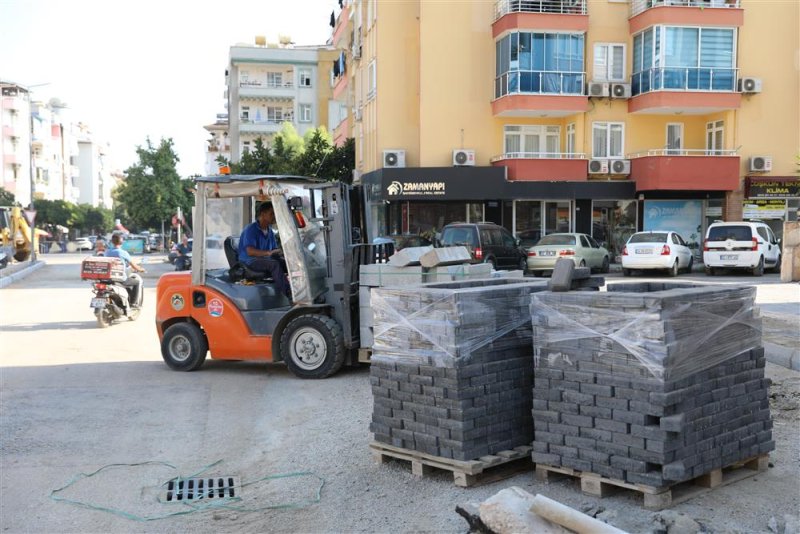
[
  {"x": 760, "y": 164},
  {"x": 463, "y": 158},
  {"x": 621, "y": 90},
  {"x": 394, "y": 158},
  {"x": 620, "y": 166},
  {"x": 357, "y": 114},
  {"x": 750, "y": 85},
  {"x": 597, "y": 90},
  {"x": 598, "y": 166},
  {"x": 356, "y": 51}
]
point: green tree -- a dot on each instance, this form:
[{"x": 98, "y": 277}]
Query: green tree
[
  {"x": 97, "y": 220},
  {"x": 7, "y": 198},
  {"x": 340, "y": 163},
  {"x": 317, "y": 148},
  {"x": 152, "y": 189},
  {"x": 54, "y": 212}
]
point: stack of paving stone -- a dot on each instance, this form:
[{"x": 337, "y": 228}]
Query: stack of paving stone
[
  {"x": 651, "y": 384},
  {"x": 452, "y": 367}
]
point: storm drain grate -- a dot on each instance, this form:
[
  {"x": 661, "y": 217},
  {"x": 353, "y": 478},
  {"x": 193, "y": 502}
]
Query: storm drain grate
[{"x": 193, "y": 489}]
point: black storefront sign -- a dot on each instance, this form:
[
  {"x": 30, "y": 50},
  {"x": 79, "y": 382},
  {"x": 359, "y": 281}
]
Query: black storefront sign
[
  {"x": 772, "y": 186},
  {"x": 481, "y": 184}
]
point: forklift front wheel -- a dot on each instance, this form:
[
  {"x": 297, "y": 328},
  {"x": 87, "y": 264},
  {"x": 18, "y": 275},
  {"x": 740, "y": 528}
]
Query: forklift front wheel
[
  {"x": 312, "y": 346},
  {"x": 184, "y": 347}
]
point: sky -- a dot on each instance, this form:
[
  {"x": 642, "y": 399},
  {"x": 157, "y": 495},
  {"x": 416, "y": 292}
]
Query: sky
[{"x": 145, "y": 68}]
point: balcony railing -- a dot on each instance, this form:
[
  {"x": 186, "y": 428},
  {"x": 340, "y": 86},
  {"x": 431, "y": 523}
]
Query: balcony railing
[
  {"x": 565, "y": 7},
  {"x": 540, "y": 82},
  {"x": 269, "y": 85},
  {"x": 684, "y": 79},
  {"x": 639, "y": 6},
  {"x": 538, "y": 155},
  {"x": 683, "y": 152}
]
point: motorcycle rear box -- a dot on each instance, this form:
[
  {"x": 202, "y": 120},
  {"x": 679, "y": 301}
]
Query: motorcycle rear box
[{"x": 101, "y": 268}]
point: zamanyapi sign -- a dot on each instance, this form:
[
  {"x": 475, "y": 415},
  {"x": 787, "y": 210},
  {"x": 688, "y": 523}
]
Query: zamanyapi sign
[{"x": 425, "y": 189}]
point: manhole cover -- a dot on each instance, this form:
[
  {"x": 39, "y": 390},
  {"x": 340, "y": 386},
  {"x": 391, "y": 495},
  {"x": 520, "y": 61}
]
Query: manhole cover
[{"x": 193, "y": 489}]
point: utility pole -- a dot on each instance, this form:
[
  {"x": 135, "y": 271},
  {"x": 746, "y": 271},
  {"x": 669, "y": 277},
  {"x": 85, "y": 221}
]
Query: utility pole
[
  {"x": 180, "y": 223},
  {"x": 30, "y": 147}
]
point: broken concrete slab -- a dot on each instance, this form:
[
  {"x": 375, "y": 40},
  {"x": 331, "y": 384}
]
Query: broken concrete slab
[
  {"x": 445, "y": 256},
  {"x": 408, "y": 256},
  {"x": 509, "y": 512}
]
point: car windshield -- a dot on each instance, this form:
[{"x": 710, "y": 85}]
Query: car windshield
[
  {"x": 556, "y": 239},
  {"x": 649, "y": 237},
  {"x": 734, "y": 233},
  {"x": 458, "y": 236}
]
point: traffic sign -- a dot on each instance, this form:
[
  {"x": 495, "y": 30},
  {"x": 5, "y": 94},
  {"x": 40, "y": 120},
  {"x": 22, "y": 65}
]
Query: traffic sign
[{"x": 30, "y": 216}]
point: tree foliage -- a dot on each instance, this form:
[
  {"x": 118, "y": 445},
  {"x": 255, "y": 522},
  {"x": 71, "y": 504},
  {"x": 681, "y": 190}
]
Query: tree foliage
[
  {"x": 7, "y": 198},
  {"x": 153, "y": 190},
  {"x": 313, "y": 154},
  {"x": 55, "y": 212}
]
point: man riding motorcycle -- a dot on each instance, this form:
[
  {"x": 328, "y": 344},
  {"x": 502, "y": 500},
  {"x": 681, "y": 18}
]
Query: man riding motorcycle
[{"x": 133, "y": 282}]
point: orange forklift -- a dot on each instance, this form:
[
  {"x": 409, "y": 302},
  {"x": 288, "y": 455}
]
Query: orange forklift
[{"x": 223, "y": 308}]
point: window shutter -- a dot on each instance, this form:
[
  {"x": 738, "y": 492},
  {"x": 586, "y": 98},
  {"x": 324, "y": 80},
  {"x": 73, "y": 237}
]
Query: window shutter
[{"x": 600, "y": 63}]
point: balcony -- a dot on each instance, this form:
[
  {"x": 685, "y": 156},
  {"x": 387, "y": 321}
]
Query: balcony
[
  {"x": 685, "y": 170},
  {"x": 74, "y": 171},
  {"x": 9, "y": 131},
  {"x": 12, "y": 103},
  {"x": 690, "y": 90},
  {"x": 646, "y": 13},
  {"x": 539, "y": 94},
  {"x": 263, "y": 126},
  {"x": 543, "y": 166},
  {"x": 341, "y": 25},
  {"x": 256, "y": 90},
  {"x": 566, "y": 15}
]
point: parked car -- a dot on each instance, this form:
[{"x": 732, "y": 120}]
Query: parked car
[
  {"x": 403, "y": 241},
  {"x": 580, "y": 248},
  {"x": 741, "y": 245},
  {"x": 528, "y": 238},
  {"x": 84, "y": 243},
  {"x": 487, "y": 242},
  {"x": 656, "y": 250}
]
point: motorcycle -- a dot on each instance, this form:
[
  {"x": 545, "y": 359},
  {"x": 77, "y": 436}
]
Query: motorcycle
[{"x": 112, "y": 299}]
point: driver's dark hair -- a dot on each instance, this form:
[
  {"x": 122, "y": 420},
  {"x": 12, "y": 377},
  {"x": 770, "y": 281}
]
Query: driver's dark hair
[
  {"x": 264, "y": 206},
  {"x": 116, "y": 239}
]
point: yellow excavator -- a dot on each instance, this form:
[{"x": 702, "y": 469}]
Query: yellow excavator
[{"x": 16, "y": 235}]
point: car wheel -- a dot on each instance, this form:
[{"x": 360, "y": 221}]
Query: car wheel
[
  {"x": 777, "y": 267},
  {"x": 538, "y": 274},
  {"x": 184, "y": 347},
  {"x": 758, "y": 270},
  {"x": 674, "y": 270},
  {"x": 626, "y": 272},
  {"x": 709, "y": 271},
  {"x": 493, "y": 263},
  {"x": 605, "y": 267},
  {"x": 312, "y": 346},
  {"x": 583, "y": 263}
]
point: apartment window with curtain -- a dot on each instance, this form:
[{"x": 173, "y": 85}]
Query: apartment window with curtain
[
  {"x": 532, "y": 141},
  {"x": 571, "y": 139},
  {"x": 609, "y": 62},
  {"x": 274, "y": 114},
  {"x": 305, "y": 112},
  {"x": 675, "y": 138},
  {"x": 305, "y": 78},
  {"x": 715, "y": 137},
  {"x": 684, "y": 58},
  {"x": 539, "y": 63},
  {"x": 608, "y": 140},
  {"x": 245, "y": 113},
  {"x": 274, "y": 79}
]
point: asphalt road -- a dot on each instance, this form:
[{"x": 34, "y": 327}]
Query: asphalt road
[{"x": 75, "y": 399}]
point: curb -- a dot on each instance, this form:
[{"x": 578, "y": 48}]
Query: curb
[
  {"x": 20, "y": 274},
  {"x": 783, "y": 356}
]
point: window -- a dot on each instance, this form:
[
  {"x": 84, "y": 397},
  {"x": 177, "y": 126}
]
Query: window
[
  {"x": 246, "y": 146},
  {"x": 675, "y": 138},
  {"x": 305, "y": 78},
  {"x": 371, "y": 80},
  {"x": 244, "y": 77},
  {"x": 571, "y": 138},
  {"x": 592, "y": 242},
  {"x": 609, "y": 62},
  {"x": 305, "y": 112},
  {"x": 715, "y": 135},
  {"x": 532, "y": 140},
  {"x": 608, "y": 139},
  {"x": 274, "y": 114},
  {"x": 585, "y": 242},
  {"x": 684, "y": 58},
  {"x": 539, "y": 63},
  {"x": 245, "y": 113},
  {"x": 274, "y": 79}
]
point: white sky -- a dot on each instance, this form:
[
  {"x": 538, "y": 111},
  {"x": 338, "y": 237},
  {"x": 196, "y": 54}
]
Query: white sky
[{"x": 144, "y": 68}]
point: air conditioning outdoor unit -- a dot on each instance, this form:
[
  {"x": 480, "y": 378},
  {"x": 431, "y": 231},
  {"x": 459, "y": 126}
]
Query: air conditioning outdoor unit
[
  {"x": 760, "y": 164},
  {"x": 598, "y": 166},
  {"x": 620, "y": 166},
  {"x": 357, "y": 114},
  {"x": 356, "y": 51},
  {"x": 750, "y": 85},
  {"x": 394, "y": 158},
  {"x": 463, "y": 158},
  {"x": 621, "y": 90},
  {"x": 597, "y": 90}
]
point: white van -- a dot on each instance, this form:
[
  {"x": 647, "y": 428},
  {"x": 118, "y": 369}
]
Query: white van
[{"x": 741, "y": 245}]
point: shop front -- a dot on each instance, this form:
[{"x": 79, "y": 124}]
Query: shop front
[
  {"x": 771, "y": 199},
  {"x": 421, "y": 201}
]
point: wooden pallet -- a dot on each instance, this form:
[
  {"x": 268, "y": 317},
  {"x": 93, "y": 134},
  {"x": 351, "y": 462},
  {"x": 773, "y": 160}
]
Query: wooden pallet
[
  {"x": 465, "y": 474},
  {"x": 658, "y": 498}
]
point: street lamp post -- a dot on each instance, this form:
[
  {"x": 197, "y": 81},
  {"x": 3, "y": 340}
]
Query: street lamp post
[{"x": 30, "y": 146}]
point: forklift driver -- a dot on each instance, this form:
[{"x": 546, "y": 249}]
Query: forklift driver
[{"x": 258, "y": 248}]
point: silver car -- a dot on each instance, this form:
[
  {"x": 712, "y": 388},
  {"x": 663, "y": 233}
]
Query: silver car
[{"x": 580, "y": 248}]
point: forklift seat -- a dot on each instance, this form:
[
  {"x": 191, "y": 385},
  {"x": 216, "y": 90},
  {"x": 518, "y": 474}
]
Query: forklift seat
[{"x": 239, "y": 270}]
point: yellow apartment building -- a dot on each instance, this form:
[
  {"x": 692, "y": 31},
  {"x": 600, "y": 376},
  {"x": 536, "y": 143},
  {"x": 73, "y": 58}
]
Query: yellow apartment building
[{"x": 596, "y": 116}]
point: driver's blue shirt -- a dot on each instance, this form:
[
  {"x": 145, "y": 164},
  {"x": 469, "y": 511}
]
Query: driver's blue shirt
[
  {"x": 117, "y": 252},
  {"x": 254, "y": 236}
]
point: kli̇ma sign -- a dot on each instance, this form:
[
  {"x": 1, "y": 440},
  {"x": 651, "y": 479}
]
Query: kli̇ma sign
[
  {"x": 777, "y": 187},
  {"x": 423, "y": 189}
]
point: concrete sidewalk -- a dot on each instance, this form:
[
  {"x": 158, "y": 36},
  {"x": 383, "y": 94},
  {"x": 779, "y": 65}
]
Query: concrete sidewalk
[{"x": 18, "y": 271}]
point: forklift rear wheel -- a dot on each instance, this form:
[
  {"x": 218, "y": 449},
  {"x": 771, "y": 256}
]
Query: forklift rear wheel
[
  {"x": 184, "y": 347},
  {"x": 312, "y": 346}
]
